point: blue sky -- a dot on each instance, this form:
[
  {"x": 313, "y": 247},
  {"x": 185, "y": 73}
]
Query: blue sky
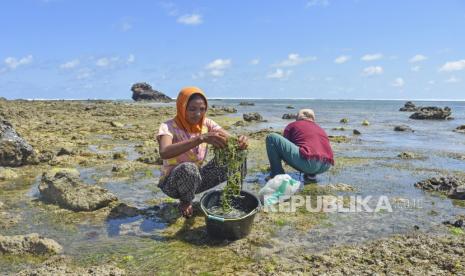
[{"x": 330, "y": 49}]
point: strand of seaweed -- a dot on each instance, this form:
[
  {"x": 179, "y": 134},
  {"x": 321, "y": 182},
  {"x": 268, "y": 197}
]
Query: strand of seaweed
[{"x": 233, "y": 158}]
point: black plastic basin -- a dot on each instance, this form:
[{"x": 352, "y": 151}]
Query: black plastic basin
[{"x": 229, "y": 228}]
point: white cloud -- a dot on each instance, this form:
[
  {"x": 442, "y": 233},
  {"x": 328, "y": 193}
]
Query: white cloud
[
  {"x": 341, "y": 59},
  {"x": 103, "y": 62},
  {"x": 217, "y": 73},
  {"x": 126, "y": 26},
  {"x": 294, "y": 59},
  {"x": 13, "y": 63},
  {"x": 452, "y": 79},
  {"x": 279, "y": 74},
  {"x": 218, "y": 66},
  {"x": 313, "y": 3},
  {"x": 84, "y": 73},
  {"x": 398, "y": 82},
  {"x": 453, "y": 66},
  {"x": 190, "y": 19},
  {"x": 432, "y": 82},
  {"x": 70, "y": 64},
  {"x": 415, "y": 68},
  {"x": 131, "y": 58},
  {"x": 371, "y": 57},
  {"x": 372, "y": 70},
  {"x": 417, "y": 58},
  {"x": 255, "y": 61},
  {"x": 106, "y": 61}
]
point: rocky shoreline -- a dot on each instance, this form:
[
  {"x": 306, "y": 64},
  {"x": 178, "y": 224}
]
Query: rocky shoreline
[{"x": 71, "y": 149}]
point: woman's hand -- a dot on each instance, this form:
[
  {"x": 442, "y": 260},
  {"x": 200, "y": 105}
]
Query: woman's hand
[
  {"x": 243, "y": 142},
  {"x": 216, "y": 138}
]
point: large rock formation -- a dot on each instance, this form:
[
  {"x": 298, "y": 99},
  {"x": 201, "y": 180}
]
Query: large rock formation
[
  {"x": 432, "y": 113},
  {"x": 14, "y": 150},
  {"x": 64, "y": 188},
  {"x": 452, "y": 186},
  {"x": 226, "y": 109},
  {"x": 31, "y": 243},
  {"x": 142, "y": 91},
  {"x": 254, "y": 116},
  {"x": 409, "y": 107},
  {"x": 289, "y": 116}
]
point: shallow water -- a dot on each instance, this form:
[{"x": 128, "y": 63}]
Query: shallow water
[
  {"x": 233, "y": 213},
  {"x": 384, "y": 174}
]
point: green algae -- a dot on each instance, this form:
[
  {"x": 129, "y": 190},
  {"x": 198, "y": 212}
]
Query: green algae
[
  {"x": 457, "y": 231},
  {"x": 10, "y": 264},
  {"x": 234, "y": 159}
]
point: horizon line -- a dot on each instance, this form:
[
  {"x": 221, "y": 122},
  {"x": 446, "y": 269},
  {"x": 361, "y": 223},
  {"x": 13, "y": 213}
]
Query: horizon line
[{"x": 232, "y": 98}]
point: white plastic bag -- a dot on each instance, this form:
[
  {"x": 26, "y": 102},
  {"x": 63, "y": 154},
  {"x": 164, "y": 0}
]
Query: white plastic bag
[{"x": 277, "y": 187}]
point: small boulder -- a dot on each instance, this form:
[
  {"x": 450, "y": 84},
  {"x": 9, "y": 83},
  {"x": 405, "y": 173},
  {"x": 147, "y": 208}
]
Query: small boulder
[
  {"x": 365, "y": 123},
  {"x": 406, "y": 155},
  {"x": 143, "y": 92},
  {"x": 344, "y": 121},
  {"x": 64, "y": 188},
  {"x": 14, "y": 150},
  {"x": 403, "y": 128},
  {"x": 452, "y": 186},
  {"x": 432, "y": 113},
  {"x": 338, "y": 139},
  {"x": 150, "y": 155},
  {"x": 28, "y": 244},
  {"x": 124, "y": 168},
  {"x": 356, "y": 132},
  {"x": 123, "y": 210},
  {"x": 289, "y": 116},
  {"x": 239, "y": 124},
  {"x": 460, "y": 129},
  {"x": 290, "y": 107},
  {"x": 458, "y": 221},
  {"x": 339, "y": 128},
  {"x": 65, "y": 151},
  {"x": 409, "y": 107},
  {"x": 117, "y": 124},
  {"x": 46, "y": 156},
  {"x": 119, "y": 155},
  {"x": 254, "y": 116}
]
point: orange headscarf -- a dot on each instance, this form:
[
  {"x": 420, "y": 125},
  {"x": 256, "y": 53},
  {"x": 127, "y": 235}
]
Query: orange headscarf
[{"x": 181, "y": 105}]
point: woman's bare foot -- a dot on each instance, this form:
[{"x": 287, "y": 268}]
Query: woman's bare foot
[{"x": 186, "y": 209}]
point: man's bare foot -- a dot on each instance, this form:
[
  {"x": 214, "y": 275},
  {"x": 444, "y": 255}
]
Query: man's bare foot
[{"x": 186, "y": 209}]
